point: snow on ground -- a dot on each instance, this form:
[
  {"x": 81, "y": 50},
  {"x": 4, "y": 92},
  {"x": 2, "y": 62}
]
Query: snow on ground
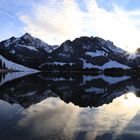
[
  {"x": 58, "y": 63},
  {"x": 61, "y": 63},
  {"x": 114, "y": 64},
  {"x": 13, "y": 51},
  {"x": 110, "y": 64},
  {"x": 87, "y": 65},
  {"x": 11, "y": 65},
  {"x": 108, "y": 79},
  {"x": 95, "y": 54}
]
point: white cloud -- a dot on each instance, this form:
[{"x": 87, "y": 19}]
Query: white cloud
[{"x": 58, "y": 20}]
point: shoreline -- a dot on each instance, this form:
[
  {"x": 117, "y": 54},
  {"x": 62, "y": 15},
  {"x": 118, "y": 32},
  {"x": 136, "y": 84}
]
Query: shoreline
[{"x": 7, "y": 70}]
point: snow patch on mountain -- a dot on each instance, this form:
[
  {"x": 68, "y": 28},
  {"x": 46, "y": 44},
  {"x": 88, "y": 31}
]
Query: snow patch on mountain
[
  {"x": 13, "y": 51},
  {"x": 8, "y": 42},
  {"x": 59, "y": 63},
  {"x": 28, "y": 47},
  {"x": 110, "y": 64},
  {"x": 95, "y": 54},
  {"x": 87, "y": 65},
  {"x": 114, "y": 64}
]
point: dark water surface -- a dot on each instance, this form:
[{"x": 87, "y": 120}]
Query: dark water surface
[{"x": 69, "y": 107}]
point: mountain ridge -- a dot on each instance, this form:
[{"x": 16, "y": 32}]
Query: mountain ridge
[{"x": 83, "y": 53}]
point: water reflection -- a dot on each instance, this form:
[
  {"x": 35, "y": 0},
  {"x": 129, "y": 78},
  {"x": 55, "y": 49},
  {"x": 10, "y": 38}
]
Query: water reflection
[
  {"x": 52, "y": 109},
  {"x": 81, "y": 90}
]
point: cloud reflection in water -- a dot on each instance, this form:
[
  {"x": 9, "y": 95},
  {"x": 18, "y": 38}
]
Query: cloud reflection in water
[{"x": 53, "y": 118}]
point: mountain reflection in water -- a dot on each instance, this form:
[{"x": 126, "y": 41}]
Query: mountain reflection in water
[
  {"x": 81, "y": 90},
  {"x": 57, "y": 106}
]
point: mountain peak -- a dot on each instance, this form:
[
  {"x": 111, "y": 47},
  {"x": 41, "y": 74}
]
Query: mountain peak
[{"x": 27, "y": 36}]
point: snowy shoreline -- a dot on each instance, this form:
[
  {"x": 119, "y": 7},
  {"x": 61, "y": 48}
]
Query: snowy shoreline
[{"x": 7, "y": 70}]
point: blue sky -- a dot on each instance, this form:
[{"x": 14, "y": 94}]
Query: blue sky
[{"x": 55, "y": 21}]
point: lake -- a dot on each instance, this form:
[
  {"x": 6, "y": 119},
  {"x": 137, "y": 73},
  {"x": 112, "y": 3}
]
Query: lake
[{"x": 52, "y": 106}]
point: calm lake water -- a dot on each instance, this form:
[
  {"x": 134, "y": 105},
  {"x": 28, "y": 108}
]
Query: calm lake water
[{"x": 69, "y": 107}]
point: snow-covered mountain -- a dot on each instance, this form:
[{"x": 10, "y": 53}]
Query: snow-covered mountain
[
  {"x": 88, "y": 53},
  {"x": 84, "y": 53},
  {"x": 26, "y": 50}
]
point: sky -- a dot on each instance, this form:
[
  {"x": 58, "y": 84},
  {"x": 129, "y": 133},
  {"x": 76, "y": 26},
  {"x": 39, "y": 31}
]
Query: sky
[{"x": 55, "y": 21}]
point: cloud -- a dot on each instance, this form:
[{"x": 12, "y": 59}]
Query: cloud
[{"x": 55, "y": 21}]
